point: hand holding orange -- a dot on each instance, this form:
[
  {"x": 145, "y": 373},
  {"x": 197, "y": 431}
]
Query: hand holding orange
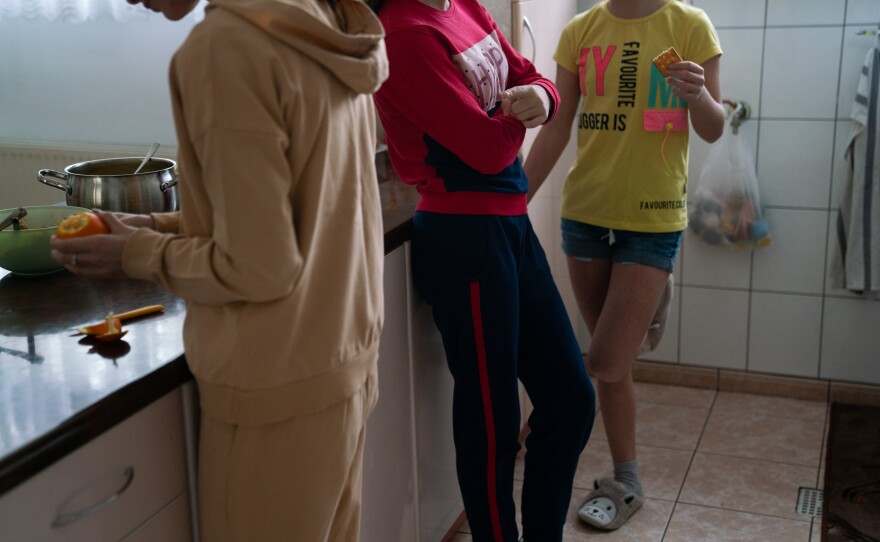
[{"x": 81, "y": 225}]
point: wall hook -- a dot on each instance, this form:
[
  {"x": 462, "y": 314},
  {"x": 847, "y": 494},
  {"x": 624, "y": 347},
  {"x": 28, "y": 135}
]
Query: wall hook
[{"x": 741, "y": 111}]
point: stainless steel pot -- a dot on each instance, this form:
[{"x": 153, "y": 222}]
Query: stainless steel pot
[{"x": 111, "y": 185}]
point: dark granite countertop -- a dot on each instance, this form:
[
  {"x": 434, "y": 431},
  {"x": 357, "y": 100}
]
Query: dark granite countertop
[{"x": 59, "y": 390}]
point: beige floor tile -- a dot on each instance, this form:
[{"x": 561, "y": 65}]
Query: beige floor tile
[
  {"x": 646, "y": 525},
  {"x": 816, "y": 531},
  {"x": 595, "y": 463},
  {"x": 765, "y": 405},
  {"x": 785, "y": 440},
  {"x": 701, "y": 524},
  {"x": 674, "y": 395},
  {"x": 753, "y": 452},
  {"x": 662, "y": 469},
  {"x": 746, "y": 485},
  {"x": 667, "y": 426}
]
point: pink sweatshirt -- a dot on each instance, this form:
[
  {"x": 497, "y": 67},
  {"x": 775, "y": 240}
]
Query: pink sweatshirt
[{"x": 445, "y": 131}]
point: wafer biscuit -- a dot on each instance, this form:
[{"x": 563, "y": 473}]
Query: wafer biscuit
[{"x": 664, "y": 59}]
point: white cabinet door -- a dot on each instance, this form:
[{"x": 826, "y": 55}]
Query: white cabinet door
[
  {"x": 107, "y": 488},
  {"x": 440, "y": 503},
  {"x": 389, "y": 500}
]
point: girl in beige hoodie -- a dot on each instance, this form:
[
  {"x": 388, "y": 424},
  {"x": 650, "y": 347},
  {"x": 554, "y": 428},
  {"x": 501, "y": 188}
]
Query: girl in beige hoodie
[{"x": 277, "y": 250}]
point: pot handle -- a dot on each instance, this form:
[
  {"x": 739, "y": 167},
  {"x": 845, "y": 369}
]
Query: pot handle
[
  {"x": 165, "y": 186},
  {"x": 54, "y": 178}
]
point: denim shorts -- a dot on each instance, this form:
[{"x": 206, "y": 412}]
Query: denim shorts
[{"x": 587, "y": 242}]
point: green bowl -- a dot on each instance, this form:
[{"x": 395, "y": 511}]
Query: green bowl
[{"x": 27, "y": 251}]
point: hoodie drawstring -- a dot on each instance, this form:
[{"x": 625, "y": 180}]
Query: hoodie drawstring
[{"x": 609, "y": 236}]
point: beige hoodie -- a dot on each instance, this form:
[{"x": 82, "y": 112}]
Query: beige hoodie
[{"x": 279, "y": 252}]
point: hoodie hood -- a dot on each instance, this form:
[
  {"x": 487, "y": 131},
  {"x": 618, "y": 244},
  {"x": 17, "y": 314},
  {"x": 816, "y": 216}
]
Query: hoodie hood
[{"x": 348, "y": 40}]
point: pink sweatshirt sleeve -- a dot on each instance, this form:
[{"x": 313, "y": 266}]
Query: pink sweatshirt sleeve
[{"x": 426, "y": 88}]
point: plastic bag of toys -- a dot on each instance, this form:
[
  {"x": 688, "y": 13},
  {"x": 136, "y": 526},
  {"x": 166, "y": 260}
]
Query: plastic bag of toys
[{"x": 726, "y": 208}]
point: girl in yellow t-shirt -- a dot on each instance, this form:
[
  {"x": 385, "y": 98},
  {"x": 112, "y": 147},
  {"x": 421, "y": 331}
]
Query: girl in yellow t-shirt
[{"x": 624, "y": 200}]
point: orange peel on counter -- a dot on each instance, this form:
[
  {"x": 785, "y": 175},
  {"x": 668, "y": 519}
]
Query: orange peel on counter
[
  {"x": 103, "y": 328},
  {"x": 113, "y": 331}
]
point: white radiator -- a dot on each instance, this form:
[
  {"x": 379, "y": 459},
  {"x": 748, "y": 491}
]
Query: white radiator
[{"x": 20, "y": 161}]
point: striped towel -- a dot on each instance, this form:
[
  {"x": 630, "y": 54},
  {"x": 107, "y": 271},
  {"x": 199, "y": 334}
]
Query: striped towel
[{"x": 856, "y": 261}]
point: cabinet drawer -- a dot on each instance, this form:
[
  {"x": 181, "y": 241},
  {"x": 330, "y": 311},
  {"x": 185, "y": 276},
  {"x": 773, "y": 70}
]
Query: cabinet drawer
[
  {"x": 107, "y": 488},
  {"x": 172, "y": 524}
]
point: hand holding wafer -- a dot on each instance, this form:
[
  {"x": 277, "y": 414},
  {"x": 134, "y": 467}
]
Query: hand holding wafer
[
  {"x": 664, "y": 59},
  {"x": 686, "y": 78}
]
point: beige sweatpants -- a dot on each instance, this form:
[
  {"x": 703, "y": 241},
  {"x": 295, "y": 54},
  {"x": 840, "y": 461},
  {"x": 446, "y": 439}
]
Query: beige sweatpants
[{"x": 299, "y": 480}]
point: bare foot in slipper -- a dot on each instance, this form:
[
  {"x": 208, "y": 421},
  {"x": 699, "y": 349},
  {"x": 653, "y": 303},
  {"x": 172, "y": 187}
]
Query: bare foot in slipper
[{"x": 609, "y": 505}]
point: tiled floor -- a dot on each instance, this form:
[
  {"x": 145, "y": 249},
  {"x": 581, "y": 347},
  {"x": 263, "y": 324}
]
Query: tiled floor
[{"x": 716, "y": 467}]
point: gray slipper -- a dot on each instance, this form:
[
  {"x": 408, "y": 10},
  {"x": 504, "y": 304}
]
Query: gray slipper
[{"x": 609, "y": 505}]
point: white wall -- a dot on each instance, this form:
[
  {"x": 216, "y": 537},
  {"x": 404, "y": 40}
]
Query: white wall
[
  {"x": 796, "y": 63},
  {"x": 99, "y": 82}
]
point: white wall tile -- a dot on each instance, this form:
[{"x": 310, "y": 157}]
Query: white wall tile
[
  {"x": 715, "y": 266},
  {"x": 794, "y": 103},
  {"x": 794, "y": 163},
  {"x": 863, "y": 12},
  {"x": 582, "y": 334},
  {"x": 563, "y": 283},
  {"x": 740, "y": 13},
  {"x": 784, "y": 333},
  {"x": 855, "y": 49},
  {"x": 798, "y": 12},
  {"x": 541, "y": 216},
  {"x": 795, "y": 260},
  {"x": 800, "y": 89},
  {"x": 556, "y": 179},
  {"x": 583, "y": 5},
  {"x": 678, "y": 266},
  {"x": 741, "y": 66},
  {"x": 559, "y": 261},
  {"x": 713, "y": 327},
  {"x": 850, "y": 340}
]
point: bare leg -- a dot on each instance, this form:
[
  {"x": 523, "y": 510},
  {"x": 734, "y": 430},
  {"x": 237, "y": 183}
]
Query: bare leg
[{"x": 617, "y": 302}]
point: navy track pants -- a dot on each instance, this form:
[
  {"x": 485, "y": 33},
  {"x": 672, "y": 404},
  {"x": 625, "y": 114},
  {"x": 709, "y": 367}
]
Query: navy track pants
[{"x": 502, "y": 320}]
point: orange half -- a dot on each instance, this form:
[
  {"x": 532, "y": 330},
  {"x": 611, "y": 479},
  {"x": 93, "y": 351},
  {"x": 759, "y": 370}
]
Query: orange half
[{"x": 80, "y": 225}]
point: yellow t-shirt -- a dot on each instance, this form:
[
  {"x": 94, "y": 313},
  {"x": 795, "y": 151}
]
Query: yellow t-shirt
[{"x": 631, "y": 166}]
